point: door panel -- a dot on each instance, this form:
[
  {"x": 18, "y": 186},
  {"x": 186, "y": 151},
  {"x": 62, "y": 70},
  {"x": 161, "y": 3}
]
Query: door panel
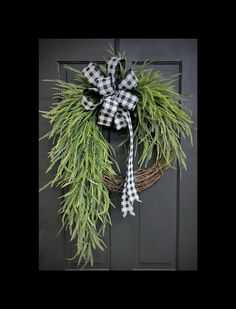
[{"x": 162, "y": 235}]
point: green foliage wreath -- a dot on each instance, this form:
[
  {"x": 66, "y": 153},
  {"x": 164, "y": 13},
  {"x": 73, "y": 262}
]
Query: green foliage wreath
[{"x": 82, "y": 155}]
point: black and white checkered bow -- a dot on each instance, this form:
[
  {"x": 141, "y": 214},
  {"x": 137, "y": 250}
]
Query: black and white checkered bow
[{"x": 114, "y": 96}]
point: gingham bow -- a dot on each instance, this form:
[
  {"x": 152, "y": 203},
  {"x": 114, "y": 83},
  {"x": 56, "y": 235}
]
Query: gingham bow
[{"x": 113, "y": 94}]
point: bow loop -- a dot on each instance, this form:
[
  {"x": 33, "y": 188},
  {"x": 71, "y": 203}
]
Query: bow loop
[
  {"x": 90, "y": 99},
  {"x": 92, "y": 72},
  {"x": 114, "y": 69},
  {"x": 129, "y": 81}
]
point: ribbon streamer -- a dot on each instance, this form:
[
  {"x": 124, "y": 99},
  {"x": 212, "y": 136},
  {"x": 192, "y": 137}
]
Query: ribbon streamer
[{"x": 113, "y": 94}]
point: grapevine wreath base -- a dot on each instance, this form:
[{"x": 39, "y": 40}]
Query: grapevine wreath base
[
  {"x": 143, "y": 103},
  {"x": 144, "y": 178}
]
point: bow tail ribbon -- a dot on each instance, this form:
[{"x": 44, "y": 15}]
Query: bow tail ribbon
[{"x": 129, "y": 193}]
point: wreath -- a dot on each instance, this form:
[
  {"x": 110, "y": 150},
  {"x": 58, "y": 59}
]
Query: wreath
[{"x": 139, "y": 101}]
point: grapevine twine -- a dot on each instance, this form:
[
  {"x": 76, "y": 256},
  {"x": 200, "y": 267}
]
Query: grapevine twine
[{"x": 86, "y": 158}]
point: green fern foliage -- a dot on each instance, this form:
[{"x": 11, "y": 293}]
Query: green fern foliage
[{"x": 84, "y": 156}]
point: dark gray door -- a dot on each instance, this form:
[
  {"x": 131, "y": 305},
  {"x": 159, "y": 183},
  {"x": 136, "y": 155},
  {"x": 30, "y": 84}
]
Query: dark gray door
[{"x": 163, "y": 234}]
